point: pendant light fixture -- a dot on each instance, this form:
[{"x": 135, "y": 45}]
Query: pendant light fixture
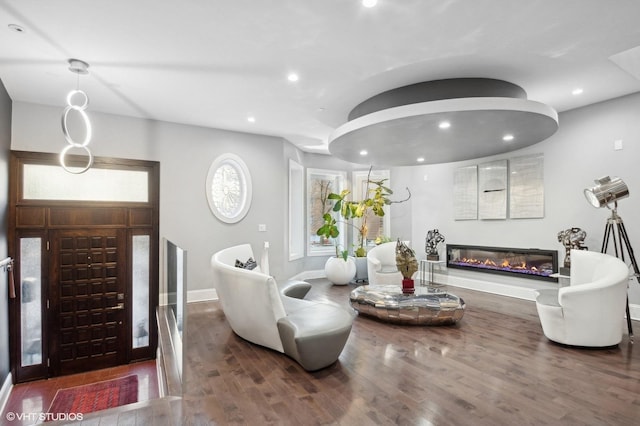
[{"x": 77, "y": 103}]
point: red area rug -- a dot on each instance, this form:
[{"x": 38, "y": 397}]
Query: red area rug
[{"x": 96, "y": 396}]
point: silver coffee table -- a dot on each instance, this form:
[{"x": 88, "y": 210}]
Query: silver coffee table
[{"x": 427, "y": 306}]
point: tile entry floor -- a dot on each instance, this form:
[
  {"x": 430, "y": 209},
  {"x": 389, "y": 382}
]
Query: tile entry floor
[{"x": 36, "y": 396}]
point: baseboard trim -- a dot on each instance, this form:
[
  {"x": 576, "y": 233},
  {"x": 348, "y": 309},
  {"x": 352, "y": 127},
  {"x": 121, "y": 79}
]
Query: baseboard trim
[
  {"x": 310, "y": 275},
  {"x": 201, "y": 295},
  {"x": 487, "y": 286},
  {"x": 5, "y": 392}
]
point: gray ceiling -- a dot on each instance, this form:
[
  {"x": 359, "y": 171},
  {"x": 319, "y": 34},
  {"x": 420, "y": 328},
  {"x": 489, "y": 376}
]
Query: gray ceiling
[{"x": 214, "y": 63}]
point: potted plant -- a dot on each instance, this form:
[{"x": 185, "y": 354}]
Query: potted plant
[
  {"x": 377, "y": 196},
  {"x": 341, "y": 268}
]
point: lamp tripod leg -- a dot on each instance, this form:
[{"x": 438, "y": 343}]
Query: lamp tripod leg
[
  {"x": 629, "y": 326},
  {"x": 622, "y": 240},
  {"x": 622, "y": 232}
]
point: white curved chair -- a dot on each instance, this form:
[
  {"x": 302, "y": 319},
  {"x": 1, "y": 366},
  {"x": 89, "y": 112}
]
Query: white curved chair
[
  {"x": 381, "y": 265},
  {"x": 277, "y": 316},
  {"x": 590, "y": 311}
]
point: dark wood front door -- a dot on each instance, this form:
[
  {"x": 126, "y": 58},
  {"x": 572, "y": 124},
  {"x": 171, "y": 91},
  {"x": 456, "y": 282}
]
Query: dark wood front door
[
  {"x": 88, "y": 326},
  {"x": 85, "y": 249}
]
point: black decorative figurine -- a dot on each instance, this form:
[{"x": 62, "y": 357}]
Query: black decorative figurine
[{"x": 434, "y": 238}]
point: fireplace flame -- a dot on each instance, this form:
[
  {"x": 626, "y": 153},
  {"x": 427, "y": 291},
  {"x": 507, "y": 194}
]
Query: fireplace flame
[
  {"x": 504, "y": 264},
  {"x": 513, "y": 261}
]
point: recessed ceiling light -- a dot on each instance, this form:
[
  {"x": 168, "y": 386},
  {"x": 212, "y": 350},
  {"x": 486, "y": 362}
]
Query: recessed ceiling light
[
  {"x": 577, "y": 91},
  {"x": 444, "y": 125},
  {"x": 293, "y": 77},
  {"x": 251, "y": 119},
  {"x": 363, "y": 152},
  {"x": 420, "y": 159},
  {"x": 507, "y": 138},
  {"x": 369, "y": 3},
  {"x": 17, "y": 28}
]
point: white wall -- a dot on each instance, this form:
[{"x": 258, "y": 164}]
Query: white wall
[
  {"x": 579, "y": 152},
  {"x": 185, "y": 154}
]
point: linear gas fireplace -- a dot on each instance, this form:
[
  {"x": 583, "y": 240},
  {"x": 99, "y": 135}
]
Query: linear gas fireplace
[{"x": 526, "y": 263}]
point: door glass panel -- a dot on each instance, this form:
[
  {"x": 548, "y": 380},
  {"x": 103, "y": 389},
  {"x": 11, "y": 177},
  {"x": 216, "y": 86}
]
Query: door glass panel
[
  {"x": 31, "y": 301},
  {"x": 47, "y": 182},
  {"x": 140, "y": 292}
]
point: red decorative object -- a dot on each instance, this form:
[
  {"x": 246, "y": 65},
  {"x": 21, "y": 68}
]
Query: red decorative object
[
  {"x": 407, "y": 286},
  {"x": 96, "y": 396}
]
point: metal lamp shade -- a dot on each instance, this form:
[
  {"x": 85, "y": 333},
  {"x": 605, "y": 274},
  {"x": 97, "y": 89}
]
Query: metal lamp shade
[{"x": 606, "y": 191}]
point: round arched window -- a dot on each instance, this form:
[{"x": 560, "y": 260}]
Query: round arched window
[{"x": 229, "y": 188}]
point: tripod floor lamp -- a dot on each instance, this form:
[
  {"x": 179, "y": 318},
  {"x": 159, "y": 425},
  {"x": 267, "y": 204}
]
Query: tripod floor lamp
[{"x": 610, "y": 190}]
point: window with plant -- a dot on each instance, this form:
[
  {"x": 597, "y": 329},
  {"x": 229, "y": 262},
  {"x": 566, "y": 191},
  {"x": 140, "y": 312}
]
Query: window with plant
[{"x": 377, "y": 196}]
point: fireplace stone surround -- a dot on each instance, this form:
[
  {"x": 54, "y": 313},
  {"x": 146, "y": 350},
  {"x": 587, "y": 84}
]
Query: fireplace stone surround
[{"x": 516, "y": 262}]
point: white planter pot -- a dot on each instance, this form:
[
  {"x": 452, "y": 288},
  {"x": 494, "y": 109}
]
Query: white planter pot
[{"x": 340, "y": 272}]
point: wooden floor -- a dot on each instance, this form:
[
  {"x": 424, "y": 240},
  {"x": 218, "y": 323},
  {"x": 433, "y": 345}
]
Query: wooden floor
[{"x": 494, "y": 368}]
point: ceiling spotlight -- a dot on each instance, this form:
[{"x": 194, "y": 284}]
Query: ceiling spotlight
[
  {"x": 420, "y": 159},
  {"x": 251, "y": 119},
  {"x": 15, "y": 27},
  {"x": 363, "y": 152},
  {"x": 607, "y": 190},
  {"x": 293, "y": 77},
  {"x": 507, "y": 138},
  {"x": 444, "y": 125},
  {"x": 369, "y": 3},
  {"x": 577, "y": 91}
]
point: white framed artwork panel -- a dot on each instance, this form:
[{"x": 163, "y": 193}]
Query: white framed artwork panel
[
  {"x": 465, "y": 193},
  {"x": 526, "y": 187},
  {"x": 492, "y": 190}
]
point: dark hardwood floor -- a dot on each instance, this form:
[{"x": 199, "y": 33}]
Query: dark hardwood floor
[{"x": 494, "y": 368}]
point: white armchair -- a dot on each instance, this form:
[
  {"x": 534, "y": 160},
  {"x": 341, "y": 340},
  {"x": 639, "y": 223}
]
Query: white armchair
[
  {"x": 381, "y": 265},
  {"x": 277, "y": 316},
  {"x": 590, "y": 311}
]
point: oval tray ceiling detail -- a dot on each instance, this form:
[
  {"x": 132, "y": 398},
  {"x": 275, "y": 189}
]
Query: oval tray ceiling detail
[{"x": 478, "y": 123}]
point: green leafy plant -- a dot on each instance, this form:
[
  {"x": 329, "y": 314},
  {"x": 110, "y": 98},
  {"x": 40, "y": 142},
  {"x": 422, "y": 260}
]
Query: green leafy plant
[
  {"x": 377, "y": 197},
  {"x": 382, "y": 239},
  {"x": 330, "y": 230}
]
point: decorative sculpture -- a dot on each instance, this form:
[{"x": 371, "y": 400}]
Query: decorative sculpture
[
  {"x": 434, "y": 238},
  {"x": 407, "y": 265},
  {"x": 571, "y": 239}
]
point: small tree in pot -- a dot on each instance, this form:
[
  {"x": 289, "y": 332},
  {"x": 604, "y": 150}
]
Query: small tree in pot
[
  {"x": 377, "y": 196},
  {"x": 339, "y": 269}
]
